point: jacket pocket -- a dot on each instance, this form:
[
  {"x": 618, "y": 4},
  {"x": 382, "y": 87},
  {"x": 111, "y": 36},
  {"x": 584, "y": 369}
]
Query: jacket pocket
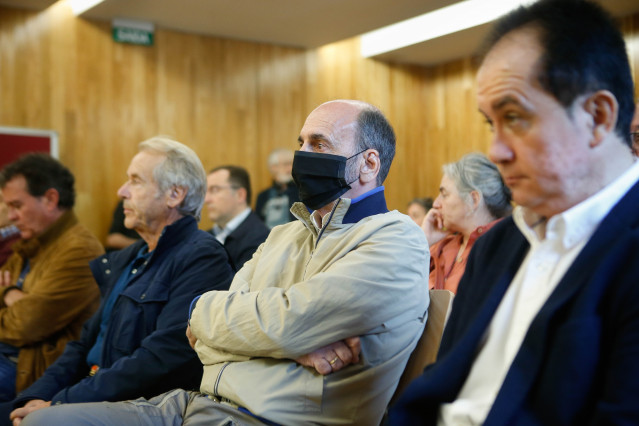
[{"x": 135, "y": 315}]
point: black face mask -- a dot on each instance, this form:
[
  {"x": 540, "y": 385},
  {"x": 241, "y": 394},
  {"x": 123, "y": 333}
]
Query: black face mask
[{"x": 320, "y": 178}]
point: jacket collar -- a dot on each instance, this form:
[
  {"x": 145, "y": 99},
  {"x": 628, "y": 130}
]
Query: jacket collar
[
  {"x": 171, "y": 234},
  {"x": 29, "y": 248},
  {"x": 176, "y": 231},
  {"x": 346, "y": 210},
  {"x": 369, "y": 204}
]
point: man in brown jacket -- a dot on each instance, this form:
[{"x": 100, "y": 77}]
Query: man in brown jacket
[{"x": 47, "y": 290}]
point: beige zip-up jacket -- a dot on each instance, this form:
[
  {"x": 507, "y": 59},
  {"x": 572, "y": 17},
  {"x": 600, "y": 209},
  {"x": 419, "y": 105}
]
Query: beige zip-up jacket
[{"x": 305, "y": 289}]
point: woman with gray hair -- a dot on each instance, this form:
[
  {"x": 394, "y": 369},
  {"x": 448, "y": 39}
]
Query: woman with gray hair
[{"x": 472, "y": 198}]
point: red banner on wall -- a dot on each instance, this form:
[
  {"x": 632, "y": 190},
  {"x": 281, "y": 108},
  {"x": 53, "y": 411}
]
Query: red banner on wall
[{"x": 16, "y": 141}]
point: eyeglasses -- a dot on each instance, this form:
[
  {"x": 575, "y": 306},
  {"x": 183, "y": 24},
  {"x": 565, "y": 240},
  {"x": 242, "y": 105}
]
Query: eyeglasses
[
  {"x": 634, "y": 137},
  {"x": 215, "y": 189}
]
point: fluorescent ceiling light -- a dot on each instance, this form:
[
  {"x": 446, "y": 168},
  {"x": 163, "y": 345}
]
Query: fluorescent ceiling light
[
  {"x": 80, "y": 6},
  {"x": 447, "y": 20}
]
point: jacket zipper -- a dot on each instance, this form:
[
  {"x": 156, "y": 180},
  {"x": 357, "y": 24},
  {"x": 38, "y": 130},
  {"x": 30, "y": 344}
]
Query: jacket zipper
[{"x": 324, "y": 226}]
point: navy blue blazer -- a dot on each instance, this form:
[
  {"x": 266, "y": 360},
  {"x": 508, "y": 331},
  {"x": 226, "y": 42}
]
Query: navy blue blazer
[{"x": 579, "y": 361}]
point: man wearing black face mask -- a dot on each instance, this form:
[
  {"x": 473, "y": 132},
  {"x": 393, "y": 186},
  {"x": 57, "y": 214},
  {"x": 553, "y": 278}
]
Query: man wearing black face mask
[
  {"x": 320, "y": 178},
  {"x": 347, "y": 267}
]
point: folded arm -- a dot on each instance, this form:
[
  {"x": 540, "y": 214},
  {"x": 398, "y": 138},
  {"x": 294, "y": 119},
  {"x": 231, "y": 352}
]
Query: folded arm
[
  {"x": 351, "y": 297},
  {"x": 52, "y": 302}
]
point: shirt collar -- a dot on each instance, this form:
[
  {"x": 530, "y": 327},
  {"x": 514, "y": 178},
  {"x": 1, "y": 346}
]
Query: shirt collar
[
  {"x": 236, "y": 221},
  {"x": 579, "y": 222},
  {"x": 481, "y": 230},
  {"x": 221, "y": 233}
]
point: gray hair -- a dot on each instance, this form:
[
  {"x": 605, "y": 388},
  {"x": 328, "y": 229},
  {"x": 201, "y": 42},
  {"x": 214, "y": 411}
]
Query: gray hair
[
  {"x": 475, "y": 172},
  {"x": 181, "y": 167},
  {"x": 274, "y": 156}
]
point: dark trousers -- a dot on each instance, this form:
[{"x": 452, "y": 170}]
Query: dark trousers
[
  {"x": 5, "y": 409},
  {"x": 8, "y": 363}
]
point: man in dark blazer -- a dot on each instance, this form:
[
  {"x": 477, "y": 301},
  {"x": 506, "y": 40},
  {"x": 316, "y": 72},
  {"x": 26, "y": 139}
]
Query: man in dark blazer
[
  {"x": 239, "y": 229},
  {"x": 545, "y": 326}
]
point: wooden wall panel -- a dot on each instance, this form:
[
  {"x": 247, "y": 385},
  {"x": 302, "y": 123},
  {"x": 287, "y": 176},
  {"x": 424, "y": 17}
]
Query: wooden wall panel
[
  {"x": 432, "y": 110},
  {"x": 630, "y": 28},
  {"x": 231, "y": 101}
]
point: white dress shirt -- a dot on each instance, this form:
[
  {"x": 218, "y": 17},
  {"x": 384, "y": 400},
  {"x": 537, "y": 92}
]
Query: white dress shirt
[
  {"x": 554, "y": 245},
  {"x": 222, "y": 233}
]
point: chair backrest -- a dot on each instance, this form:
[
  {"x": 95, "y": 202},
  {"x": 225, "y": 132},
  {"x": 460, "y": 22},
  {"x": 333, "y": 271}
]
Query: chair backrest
[{"x": 441, "y": 302}]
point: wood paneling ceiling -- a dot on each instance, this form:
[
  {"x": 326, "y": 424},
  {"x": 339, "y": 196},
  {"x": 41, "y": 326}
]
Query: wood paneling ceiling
[{"x": 300, "y": 23}]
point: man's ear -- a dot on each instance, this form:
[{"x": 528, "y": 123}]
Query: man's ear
[
  {"x": 241, "y": 193},
  {"x": 603, "y": 109},
  {"x": 370, "y": 167},
  {"x": 51, "y": 198},
  {"x": 176, "y": 196}
]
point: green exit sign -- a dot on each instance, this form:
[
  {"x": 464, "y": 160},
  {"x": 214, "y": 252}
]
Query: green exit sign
[{"x": 133, "y": 32}]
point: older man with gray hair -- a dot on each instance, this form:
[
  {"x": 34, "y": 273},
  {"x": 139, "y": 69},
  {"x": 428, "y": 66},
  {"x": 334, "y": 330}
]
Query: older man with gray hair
[{"x": 135, "y": 344}]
